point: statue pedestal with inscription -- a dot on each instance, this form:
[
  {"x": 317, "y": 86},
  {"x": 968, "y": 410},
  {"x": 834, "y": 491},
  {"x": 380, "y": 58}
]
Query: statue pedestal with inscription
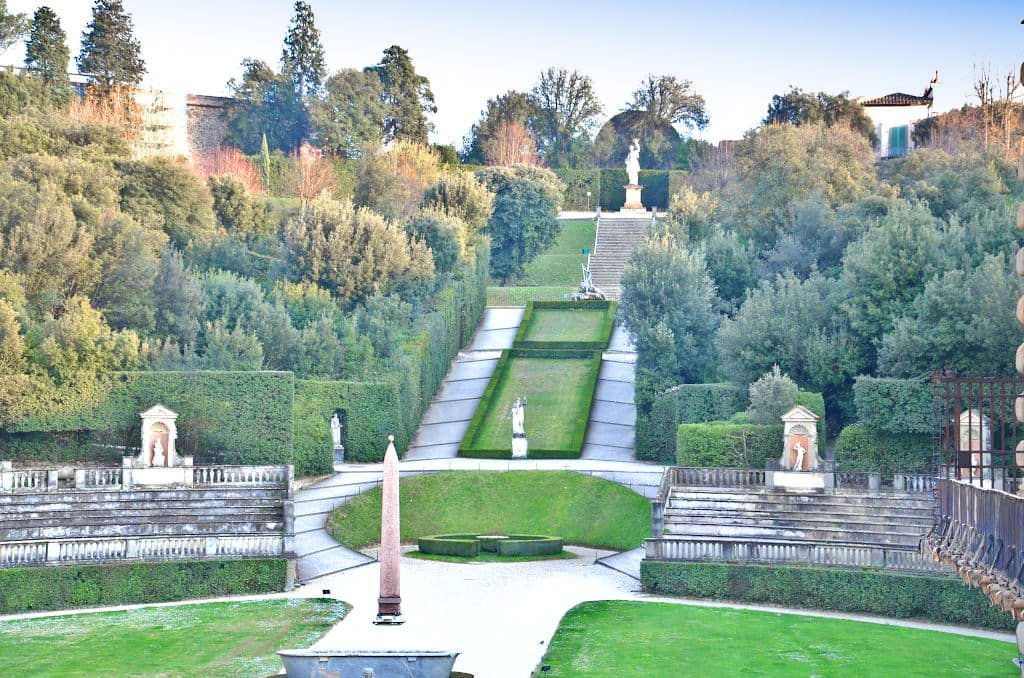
[{"x": 633, "y": 202}]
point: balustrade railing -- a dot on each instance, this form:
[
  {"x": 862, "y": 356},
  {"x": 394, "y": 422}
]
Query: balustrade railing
[
  {"x": 240, "y": 475},
  {"x": 27, "y": 480},
  {"x": 695, "y": 476},
  {"x": 768, "y": 553},
  {"x": 42, "y": 480},
  {"x": 99, "y": 477},
  {"x": 65, "y": 551}
]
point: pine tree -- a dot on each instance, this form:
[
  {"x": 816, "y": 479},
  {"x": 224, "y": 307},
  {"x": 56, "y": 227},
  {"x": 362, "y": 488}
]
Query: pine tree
[
  {"x": 407, "y": 96},
  {"x": 302, "y": 58},
  {"x": 46, "y": 52},
  {"x": 111, "y": 54}
]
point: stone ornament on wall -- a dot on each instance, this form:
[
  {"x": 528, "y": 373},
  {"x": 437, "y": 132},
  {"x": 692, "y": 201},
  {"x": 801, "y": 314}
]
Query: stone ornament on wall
[
  {"x": 800, "y": 440},
  {"x": 159, "y": 432}
]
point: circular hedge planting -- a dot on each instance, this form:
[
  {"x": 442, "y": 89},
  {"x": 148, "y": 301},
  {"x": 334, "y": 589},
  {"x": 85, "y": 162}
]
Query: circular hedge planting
[
  {"x": 470, "y": 545},
  {"x": 580, "y": 509}
]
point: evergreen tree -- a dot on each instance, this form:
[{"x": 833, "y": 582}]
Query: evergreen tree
[
  {"x": 407, "y": 97},
  {"x": 111, "y": 54},
  {"x": 265, "y": 165},
  {"x": 303, "y": 55},
  {"x": 12, "y": 27},
  {"x": 46, "y": 52}
]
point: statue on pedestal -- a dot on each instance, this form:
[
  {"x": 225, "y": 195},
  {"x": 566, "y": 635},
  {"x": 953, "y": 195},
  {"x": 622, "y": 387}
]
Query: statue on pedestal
[
  {"x": 519, "y": 440},
  {"x": 158, "y": 453},
  {"x": 587, "y": 291}
]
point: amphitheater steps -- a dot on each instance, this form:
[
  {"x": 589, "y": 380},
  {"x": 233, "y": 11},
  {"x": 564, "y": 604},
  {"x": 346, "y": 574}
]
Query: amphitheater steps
[
  {"x": 890, "y": 519},
  {"x": 616, "y": 241}
]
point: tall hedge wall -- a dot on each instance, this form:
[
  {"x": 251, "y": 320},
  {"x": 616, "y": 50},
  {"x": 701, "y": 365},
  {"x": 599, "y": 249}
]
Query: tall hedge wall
[
  {"x": 941, "y": 599},
  {"x": 861, "y": 448},
  {"x": 230, "y": 417},
  {"x": 721, "y": 443},
  {"x": 683, "y": 404},
  {"x": 577, "y": 183},
  {"x": 32, "y": 589},
  {"x": 895, "y": 405}
]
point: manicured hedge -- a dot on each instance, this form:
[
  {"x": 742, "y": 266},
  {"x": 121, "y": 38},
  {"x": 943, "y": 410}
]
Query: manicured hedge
[
  {"x": 470, "y": 545},
  {"x": 61, "y": 447},
  {"x": 684, "y": 404},
  {"x": 860, "y": 448},
  {"x": 895, "y": 405},
  {"x": 461, "y": 545},
  {"x": 577, "y": 183},
  {"x": 579, "y": 424},
  {"x": 721, "y": 443},
  {"x": 656, "y": 185},
  {"x": 529, "y": 545},
  {"x": 526, "y": 325},
  {"x": 939, "y": 599},
  {"x": 229, "y": 417},
  {"x": 31, "y": 589}
]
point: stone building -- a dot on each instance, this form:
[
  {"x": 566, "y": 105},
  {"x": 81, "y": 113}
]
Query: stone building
[
  {"x": 206, "y": 121},
  {"x": 894, "y": 117}
]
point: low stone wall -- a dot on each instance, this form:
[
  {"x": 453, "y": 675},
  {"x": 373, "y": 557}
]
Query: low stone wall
[{"x": 44, "y": 480}]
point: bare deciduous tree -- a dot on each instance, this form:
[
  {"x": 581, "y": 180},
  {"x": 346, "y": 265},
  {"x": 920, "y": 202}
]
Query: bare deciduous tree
[{"x": 511, "y": 144}]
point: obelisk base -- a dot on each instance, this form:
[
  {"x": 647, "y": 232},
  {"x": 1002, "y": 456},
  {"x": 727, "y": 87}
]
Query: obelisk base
[
  {"x": 633, "y": 203},
  {"x": 389, "y": 611}
]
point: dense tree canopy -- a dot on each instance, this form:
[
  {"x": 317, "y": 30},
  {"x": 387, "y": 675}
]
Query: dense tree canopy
[
  {"x": 111, "y": 55},
  {"x": 46, "y": 51},
  {"x": 302, "y": 58},
  {"x": 565, "y": 109},
  {"x": 12, "y": 26},
  {"x": 350, "y": 115},
  {"x": 406, "y": 95},
  {"x": 797, "y": 107}
]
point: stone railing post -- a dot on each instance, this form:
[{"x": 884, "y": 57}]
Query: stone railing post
[
  {"x": 131, "y": 549},
  {"x": 80, "y": 478},
  {"x": 874, "y": 482},
  {"x": 657, "y": 518},
  {"x": 211, "y": 547},
  {"x": 52, "y": 480},
  {"x": 290, "y": 479},
  {"x": 6, "y": 475},
  {"x": 52, "y": 551}
]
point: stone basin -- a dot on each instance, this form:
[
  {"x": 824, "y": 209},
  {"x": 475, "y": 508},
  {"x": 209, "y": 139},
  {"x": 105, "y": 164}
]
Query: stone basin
[{"x": 354, "y": 663}]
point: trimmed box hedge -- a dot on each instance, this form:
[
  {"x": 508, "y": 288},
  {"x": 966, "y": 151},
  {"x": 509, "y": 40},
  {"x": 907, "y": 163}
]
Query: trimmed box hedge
[
  {"x": 470, "y": 545},
  {"x": 460, "y": 545},
  {"x": 600, "y": 343},
  {"x": 895, "y": 405},
  {"x": 940, "y": 599},
  {"x": 529, "y": 545},
  {"x": 33, "y": 589},
  {"x": 469, "y": 446},
  {"x": 860, "y": 448},
  {"x": 721, "y": 443},
  {"x": 577, "y": 183}
]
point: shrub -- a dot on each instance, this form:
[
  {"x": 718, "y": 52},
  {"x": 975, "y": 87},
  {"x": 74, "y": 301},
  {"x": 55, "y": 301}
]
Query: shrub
[
  {"x": 861, "y": 448},
  {"x": 895, "y": 405},
  {"x": 577, "y": 183},
  {"x": 941, "y": 599},
  {"x": 771, "y": 396},
  {"x": 31, "y": 589},
  {"x": 461, "y": 545},
  {"x": 683, "y": 404},
  {"x": 815, "y": 402},
  {"x": 728, "y": 445}
]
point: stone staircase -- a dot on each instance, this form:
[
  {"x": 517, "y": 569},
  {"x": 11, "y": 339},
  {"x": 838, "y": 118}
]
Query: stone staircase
[
  {"x": 142, "y": 513},
  {"x": 894, "y": 520},
  {"x": 614, "y": 245}
]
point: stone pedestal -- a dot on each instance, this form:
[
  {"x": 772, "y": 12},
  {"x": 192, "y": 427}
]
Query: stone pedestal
[
  {"x": 519, "y": 447},
  {"x": 633, "y": 203}
]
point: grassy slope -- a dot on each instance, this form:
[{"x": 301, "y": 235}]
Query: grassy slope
[
  {"x": 553, "y": 274},
  {"x": 566, "y": 325},
  {"x": 210, "y": 639},
  {"x": 580, "y": 509},
  {"x": 555, "y": 390},
  {"x": 619, "y": 638}
]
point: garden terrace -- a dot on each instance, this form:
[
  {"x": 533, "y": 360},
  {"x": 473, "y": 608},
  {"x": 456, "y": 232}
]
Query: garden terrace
[
  {"x": 559, "y": 389},
  {"x": 566, "y": 325}
]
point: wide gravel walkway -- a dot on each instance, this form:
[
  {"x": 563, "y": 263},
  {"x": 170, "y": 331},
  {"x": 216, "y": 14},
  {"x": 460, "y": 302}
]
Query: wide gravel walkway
[{"x": 501, "y": 616}]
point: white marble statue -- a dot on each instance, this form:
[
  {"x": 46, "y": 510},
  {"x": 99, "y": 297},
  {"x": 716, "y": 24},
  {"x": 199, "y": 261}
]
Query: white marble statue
[
  {"x": 336, "y": 430},
  {"x": 158, "y": 453},
  {"x": 633, "y": 162},
  {"x": 518, "y": 418},
  {"x": 800, "y": 452}
]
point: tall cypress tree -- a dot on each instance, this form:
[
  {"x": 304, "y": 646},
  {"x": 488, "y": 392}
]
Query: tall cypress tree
[
  {"x": 407, "y": 96},
  {"x": 46, "y": 52},
  {"x": 302, "y": 58},
  {"x": 111, "y": 54}
]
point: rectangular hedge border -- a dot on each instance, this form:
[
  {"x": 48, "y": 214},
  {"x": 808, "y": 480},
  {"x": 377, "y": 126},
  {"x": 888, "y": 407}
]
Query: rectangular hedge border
[
  {"x": 467, "y": 449},
  {"x": 33, "y": 589},
  {"x": 888, "y": 594},
  {"x": 610, "y": 308},
  {"x": 729, "y": 445}
]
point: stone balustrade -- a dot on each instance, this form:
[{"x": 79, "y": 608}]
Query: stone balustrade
[
  {"x": 43, "y": 480},
  {"x": 691, "y": 476},
  {"x": 273, "y": 476},
  {"x": 74, "y": 551},
  {"x": 768, "y": 553}
]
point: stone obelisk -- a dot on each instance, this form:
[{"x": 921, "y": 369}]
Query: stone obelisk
[{"x": 389, "y": 603}]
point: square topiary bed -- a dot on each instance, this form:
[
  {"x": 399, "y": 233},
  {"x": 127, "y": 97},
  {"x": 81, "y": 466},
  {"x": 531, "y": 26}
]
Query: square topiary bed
[
  {"x": 566, "y": 325},
  {"x": 559, "y": 390}
]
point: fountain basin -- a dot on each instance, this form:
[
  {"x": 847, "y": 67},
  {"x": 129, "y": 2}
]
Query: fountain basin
[{"x": 354, "y": 663}]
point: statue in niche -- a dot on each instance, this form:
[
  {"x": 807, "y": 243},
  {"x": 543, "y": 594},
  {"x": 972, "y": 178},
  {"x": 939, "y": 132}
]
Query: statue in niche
[
  {"x": 633, "y": 162},
  {"x": 158, "y": 453},
  {"x": 336, "y": 430},
  {"x": 800, "y": 450}
]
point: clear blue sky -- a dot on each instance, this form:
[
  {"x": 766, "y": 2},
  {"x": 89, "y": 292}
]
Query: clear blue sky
[{"x": 737, "y": 53}]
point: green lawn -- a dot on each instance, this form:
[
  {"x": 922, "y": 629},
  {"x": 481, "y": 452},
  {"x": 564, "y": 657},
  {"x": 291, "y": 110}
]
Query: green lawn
[
  {"x": 550, "y": 324},
  {"x": 519, "y": 296},
  {"x": 560, "y": 264},
  {"x": 557, "y": 390},
  {"x": 625, "y": 638},
  {"x": 207, "y": 639},
  {"x": 580, "y": 509},
  {"x": 488, "y": 557}
]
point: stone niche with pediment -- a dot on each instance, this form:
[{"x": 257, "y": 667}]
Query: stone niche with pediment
[{"x": 158, "y": 462}]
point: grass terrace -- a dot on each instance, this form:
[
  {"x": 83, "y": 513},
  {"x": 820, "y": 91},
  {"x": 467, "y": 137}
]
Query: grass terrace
[
  {"x": 581, "y": 509},
  {"x": 559, "y": 389},
  {"x": 208, "y": 639},
  {"x": 566, "y": 324},
  {"x": 625, "y": 638},
  {"x": 553, "y": 274}
]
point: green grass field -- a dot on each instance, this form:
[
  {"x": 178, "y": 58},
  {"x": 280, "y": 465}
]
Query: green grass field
[
  {"x": 488, "y": 557},
  {"x": 520, "y": 296},
  {"x": 626, "y": 638},
  {"x": 556, "y": 390},
  {"x": 550, "y": 324},
  {"x": 580, "y": 509},
  {"x": 560, "y": 264},
  {"x": 207, "y": 639}
]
